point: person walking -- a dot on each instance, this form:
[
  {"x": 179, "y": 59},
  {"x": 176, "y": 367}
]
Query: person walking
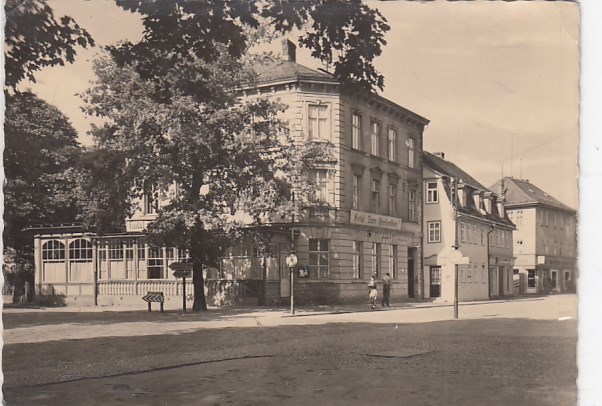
[
  {"x": 386, "y": 290},
  {"x": 373, "y": 295}
]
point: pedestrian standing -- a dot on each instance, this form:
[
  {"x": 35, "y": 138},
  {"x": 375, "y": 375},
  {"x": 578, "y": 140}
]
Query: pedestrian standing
[
  {"x": 373, "y": 295},
  {"x": 386, "y": 290}
]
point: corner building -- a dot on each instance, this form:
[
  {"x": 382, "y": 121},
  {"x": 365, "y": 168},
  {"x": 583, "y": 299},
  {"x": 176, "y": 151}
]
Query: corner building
[
  {"x": 365, "y": 217},
  {"x": 366, "y": 214}
]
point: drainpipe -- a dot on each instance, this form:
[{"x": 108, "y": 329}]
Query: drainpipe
[{"x": 488, "y": 262}]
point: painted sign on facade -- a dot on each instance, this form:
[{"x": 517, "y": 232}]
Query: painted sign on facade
[{"x": 375, "y": 220}]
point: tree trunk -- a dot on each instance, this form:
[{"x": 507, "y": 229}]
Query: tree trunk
[{"x": 198, "y": 282}]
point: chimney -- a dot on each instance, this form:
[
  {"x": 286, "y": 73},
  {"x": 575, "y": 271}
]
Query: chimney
[
  {"x": 439, "y": 154},
  {"x": 289, "y": 51}
]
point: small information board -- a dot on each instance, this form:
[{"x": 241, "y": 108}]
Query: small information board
[{"x": 182, "y": 273}]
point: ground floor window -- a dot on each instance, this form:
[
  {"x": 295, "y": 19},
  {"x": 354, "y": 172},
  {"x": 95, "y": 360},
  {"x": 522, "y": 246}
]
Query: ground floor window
[
  {"x": 319, "y": 258},
  {"x": 357, "y": 259},
  {"x": 375, "y": 254},
  {"x": 154, "y": 265}
]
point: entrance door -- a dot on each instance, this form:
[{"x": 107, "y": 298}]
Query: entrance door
[
  {"x": 531, "y": 281},
  {"x": 410, "y": 273},
  {"x": 435, "y": 273},
  {"x": 285, "y": 277},
  {"x": 554, "y": 282},
  {"x": 500, "y": 273}
]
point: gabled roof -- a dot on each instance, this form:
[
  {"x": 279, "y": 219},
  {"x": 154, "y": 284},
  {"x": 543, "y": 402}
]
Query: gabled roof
[
  {"x": 450, "y": 169},
  {"x": 282, "y": 71},
  {"x": 523, "y": 193}
]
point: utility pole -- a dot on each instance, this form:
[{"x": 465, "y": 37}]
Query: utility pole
[{"x": 455, "y": 246}]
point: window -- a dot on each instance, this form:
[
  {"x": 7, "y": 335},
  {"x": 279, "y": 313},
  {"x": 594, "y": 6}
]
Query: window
[
  {"x": 547, "y": 219},
  {"x": 129, "y": 250},
  {"x": 412, "y": 205},
  {"x": 475, "y": 233},
  {"x": 357, "y": 259},
  {"x": 151, "y": 203},
  {"x": 434, "y": 231},
  {"x": 356, "y": 131},
  {"x": 482, "y": 235},
  {"x": 484, "y": 276},
  {"x": 392, "y": 200},
  {"x": 394, "y": 265},
  {"x": 375, "y": 138},
  {"x": 469, "y": 232},
  {"x": 392, "y": 144},
  {"x": 432, "y": 196},
  {"x": 116, "y": 250},
  {"x": 80, "y": 250},
  {"x": 141, "y": 252},
  {"x": 519, "y": 218},
  {"x": 355, "y": 204},
  {"x": 376, "y": 258},
  {"x": 469, "y": 274},
  {"x": 319, "y": 258},
  {"x": 183, "y": 254},
  {"x": 318, "y": 122},
  {"x": 561, "y": 220},
  {"x": 503, "y": 236},
  {"x": 411, "y": 153},
  {"x": 375, "y": 195},
  {"x": 53, "y": 250},
  {"x": 462, "y": 232},
  {"x": 388, "y": 256},
  {"x": 154, "y": 263},
  {"x": 324, "y": 192}
]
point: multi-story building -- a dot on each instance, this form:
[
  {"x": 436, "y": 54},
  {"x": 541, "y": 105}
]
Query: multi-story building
[
  {"x": 365, "y": 216},
  {"x": 460, "y": 214},
  {"x": 545, "y": 241}
]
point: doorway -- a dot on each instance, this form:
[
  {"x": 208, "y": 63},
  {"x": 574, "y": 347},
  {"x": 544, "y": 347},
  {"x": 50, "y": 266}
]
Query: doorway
[
  {"x": 435, "y": 285},
  {"x": 500, "y": 273},
  {"x": 411, "y": 272}
]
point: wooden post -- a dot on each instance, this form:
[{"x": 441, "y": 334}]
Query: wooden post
[{"x": 183, "y": 295}]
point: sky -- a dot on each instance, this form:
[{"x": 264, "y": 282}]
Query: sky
[{"x": 497, "y": 80}]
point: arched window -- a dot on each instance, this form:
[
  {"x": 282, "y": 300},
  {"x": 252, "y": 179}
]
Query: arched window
[
  {"x": 80, "y": 250},
  {"x": 53, "y": 250}
]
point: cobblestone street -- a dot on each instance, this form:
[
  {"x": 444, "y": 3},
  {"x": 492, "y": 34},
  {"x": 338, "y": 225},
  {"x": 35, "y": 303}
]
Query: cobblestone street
[{"x": 490, "y": 356}]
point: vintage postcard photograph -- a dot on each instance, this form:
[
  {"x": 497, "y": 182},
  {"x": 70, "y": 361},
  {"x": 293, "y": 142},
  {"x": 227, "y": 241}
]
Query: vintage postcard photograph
[{"x": 283, "y": 202}]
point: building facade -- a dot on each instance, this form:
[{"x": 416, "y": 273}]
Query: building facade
[
  {"x": 545, "y": 243},
  {"x": 366, "y": 212},
  {"x": 365, "y": 216},
  {"x": 461, "y": 213}
]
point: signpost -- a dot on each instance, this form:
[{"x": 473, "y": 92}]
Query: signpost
[
  {"x": 291, "y": 262},
  {"x": 456, "y": 258},
  {"x": 182, "y": 270}
]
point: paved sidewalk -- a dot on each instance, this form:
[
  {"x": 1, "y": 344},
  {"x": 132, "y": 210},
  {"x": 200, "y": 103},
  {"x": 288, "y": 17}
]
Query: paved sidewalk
[{"x": 142, "y": 323}]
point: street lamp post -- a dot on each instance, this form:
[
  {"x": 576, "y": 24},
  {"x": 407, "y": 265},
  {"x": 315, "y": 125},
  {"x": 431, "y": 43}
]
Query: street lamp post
[{"x": 291, "y": 262}]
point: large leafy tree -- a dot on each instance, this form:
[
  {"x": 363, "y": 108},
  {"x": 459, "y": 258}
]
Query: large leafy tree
[
  {"x": 221, "y": 164},
  {"x": 346, "y": 34},
  {"x": 34, "y": 39},
  {"x": 40, "y": 155},
  {"x": 173, "y": 116}
]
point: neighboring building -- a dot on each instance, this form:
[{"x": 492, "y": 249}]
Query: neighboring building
[
  {"x": 476, "y": 223},
  {"x": 545, "y": 241},
  {"x": 366, "y": 216}
]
